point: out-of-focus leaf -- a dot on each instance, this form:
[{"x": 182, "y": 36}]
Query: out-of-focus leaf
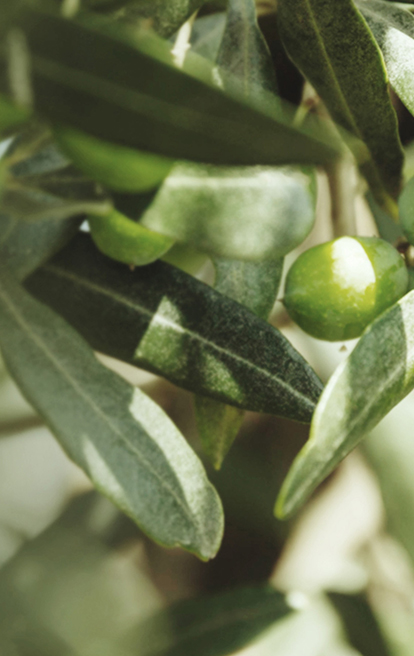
[
  {"x": 57, "y": 195},
  {"x": 393, "y": 29},
  {"x": 25, "y": 246},
  {"x": 364, "y": 388},
  {"x": 85, "y": 77},
  {"x": 207, "y": 34},
  {"x": 10, "y": 115},
  {"x": 65, "y": 589},
  {"x": 164, "y": 320},
  {"x": 333, "y": 47},
  {"x": 240, "y": 213},
  {"x": 130, "y": 449},
  {"x": 388, "y": 229},
  {"x": 390, "y": 452},
  {"x": 211, "y": 626},
  {"x": 360, "y": 624}
]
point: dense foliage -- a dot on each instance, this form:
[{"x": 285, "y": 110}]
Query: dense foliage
[{"x": 144, "y": 142}]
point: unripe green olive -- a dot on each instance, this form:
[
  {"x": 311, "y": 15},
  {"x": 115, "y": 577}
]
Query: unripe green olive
[
  {"x": 334, "y": 290},
  {"x": 117, "y": 167},
  {"x": 126, "y": 241}
]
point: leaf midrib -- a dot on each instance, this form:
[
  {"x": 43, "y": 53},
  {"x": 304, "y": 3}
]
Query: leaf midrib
[{"x": 193, "y": 336}]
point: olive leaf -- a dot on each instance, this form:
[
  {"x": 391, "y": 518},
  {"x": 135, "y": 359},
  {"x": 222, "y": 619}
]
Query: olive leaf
[
  {"x": 333, "y": 47},
  {"x": 393, "y": 29},
  {"x": 239, "y": 213},
  {"x": 254, "y": 286},
  {"x": 25, "y": 246},
  {"x": 119, "y": 88},
  {"x": 360, "y": 624},
  {"x": 363, "y": 389},
  {"x": 122, "y": 440},
  {"x": 161, "y": 319},
  {"x": 215, "y": 625}
]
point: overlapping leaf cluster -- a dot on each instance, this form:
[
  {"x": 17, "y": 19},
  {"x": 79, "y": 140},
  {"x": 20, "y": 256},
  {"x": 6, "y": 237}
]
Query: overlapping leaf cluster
[{"x": 242, "y": 192}]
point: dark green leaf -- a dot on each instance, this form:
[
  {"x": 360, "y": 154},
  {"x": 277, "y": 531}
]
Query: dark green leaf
[
  {"x": 254, "y": 286},
  {"x": 393, "y": 29},
  {"x": 103, "y": 85},
  {"x": 124, "y": 442},
  {"x": 25, "y": 246},
  {"x": 333, "y": 47},
  {"x": 166, "y": 15},
  {"x": 57, "y": 195},
  {"x": 360, "y": 624},
  {"x": 244, "y": 53},
  {"x": 211, "y": 626},
  {"x": 363, "y": 389},
  {"x": 164, "y": 320},
  {"x": 239, "y": 213}
]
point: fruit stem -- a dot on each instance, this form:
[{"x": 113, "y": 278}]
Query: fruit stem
[{"x": 342, "y": 185}]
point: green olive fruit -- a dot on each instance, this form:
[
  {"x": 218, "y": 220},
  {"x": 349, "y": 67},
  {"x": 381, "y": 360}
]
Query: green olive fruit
[
  {"x": 117, "y": 167},
  {"x": 126, "y": 241},
  {"x": 334, "y": 290},
  {"x": 406, "y": 209}
]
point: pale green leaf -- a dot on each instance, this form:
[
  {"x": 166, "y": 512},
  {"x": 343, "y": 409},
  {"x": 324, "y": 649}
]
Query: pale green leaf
[
  {"x": 239, "y": 213},
  {"x": 25, "y": 246},
  {"x": 160, "y": 318},
  {"x": 363, "y": 389},
  {"x": 333, "y": 47},
  {"x": 124, "y": 442},
  {"x": 393, "y": 29}
]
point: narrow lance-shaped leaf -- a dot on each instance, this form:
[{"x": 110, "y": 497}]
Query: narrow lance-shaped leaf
[
  {"x": 115, "y": 89},
  {"x": 130, "y": 449},
  {"x": 333, "y": 47},
  {"x": 211, "y": 626},
  {"x": 160, "y": 318},
  {"x": 393, "y": 29},
  {"x": 363, "y": 389}
]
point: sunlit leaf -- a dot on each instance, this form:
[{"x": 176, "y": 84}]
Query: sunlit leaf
[
  {"x": 124, "y": 442},
  {"x": 164, "y": 320},
  {"x": 335, "y": 50},
  {"x": 363, "y": 389},
  {"x": 393, "y": 29}
]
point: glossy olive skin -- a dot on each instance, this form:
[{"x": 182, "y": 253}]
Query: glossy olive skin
[
  {"x": 126, "y": 241},
  {"x": 334, "y": 290},
  {"x": 117, "y": 167}
]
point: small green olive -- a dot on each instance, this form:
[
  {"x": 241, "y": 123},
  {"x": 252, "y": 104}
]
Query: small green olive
[
  {"x": 117, "y": 167},
  {"x": 334, "y": 290},
  {"x": 126, "y": 241}
]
